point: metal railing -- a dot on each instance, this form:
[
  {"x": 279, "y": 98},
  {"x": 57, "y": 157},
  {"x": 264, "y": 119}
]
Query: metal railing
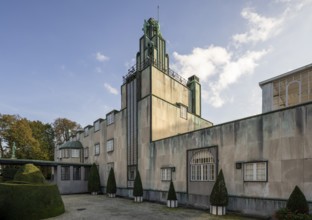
[{"x": 158, "y": 65}]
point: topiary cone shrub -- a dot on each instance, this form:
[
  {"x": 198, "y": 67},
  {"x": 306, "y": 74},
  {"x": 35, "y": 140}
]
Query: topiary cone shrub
[
  {"x": 111, "y": 184},
  {"x": 219, "y": 196},
  {"x": 94, "y": 183},
  {"x": 138, "y": 189},
  {"x": 297, "y": 202},
  {"x": 172, "y": 201}
]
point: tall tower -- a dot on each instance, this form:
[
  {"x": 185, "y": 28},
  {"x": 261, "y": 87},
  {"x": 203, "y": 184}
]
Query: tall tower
[
  {"x": 158, "y": 102},
  {"x": 152, "y": 47}
]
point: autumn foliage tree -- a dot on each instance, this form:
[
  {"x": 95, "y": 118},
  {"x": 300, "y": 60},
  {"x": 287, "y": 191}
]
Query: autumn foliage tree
[
  {"x": 64, "y": 128},
  {"x": 33, "y": 139}
]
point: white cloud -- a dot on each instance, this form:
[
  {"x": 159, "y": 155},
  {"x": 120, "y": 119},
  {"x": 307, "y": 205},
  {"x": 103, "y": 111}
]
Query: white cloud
[
  {"x": 202, "y": 62},
  {"x": 261, "y": 28},
  {"x": 231, "y": 72},
  {"x": 101, "y": 57},
  {"x": 110, "y": 89}
]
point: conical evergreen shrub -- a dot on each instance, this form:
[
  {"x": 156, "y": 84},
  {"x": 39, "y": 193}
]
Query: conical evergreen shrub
[
  {"x": 111, "y": 182},
  {"x": 297, "y": 202},
  {"x": 171, "y": 194},
  {"x": 219, "y": 195},
  {"x": 94, "y": 184},
  {"x": 138, "y": 189}
]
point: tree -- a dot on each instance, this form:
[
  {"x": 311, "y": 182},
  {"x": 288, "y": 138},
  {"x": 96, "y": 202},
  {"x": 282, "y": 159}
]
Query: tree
[
  {"x": 6, "y": 122},
  {"x": 94, "y": 184},
  {"x": 171, "y": 194},
  {"x": 297, "y": 202},
  {"x": 64, "y": 128},
  {"x": 111, "y": 182},
  {"x": 138, "y": 189},
  {"x": 219, "y": 195},
  {"x": 44, "y": 134}
]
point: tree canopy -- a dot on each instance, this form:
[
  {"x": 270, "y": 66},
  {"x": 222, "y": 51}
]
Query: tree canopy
[
  {"x": 64, "y": 128},
  {"x": 33, "y": 139}
]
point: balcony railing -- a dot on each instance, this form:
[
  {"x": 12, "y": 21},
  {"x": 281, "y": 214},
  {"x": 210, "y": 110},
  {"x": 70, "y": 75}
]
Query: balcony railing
[{"x": 158, "y": 65}]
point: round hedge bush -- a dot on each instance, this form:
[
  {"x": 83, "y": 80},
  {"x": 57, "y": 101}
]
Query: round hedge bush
[
  {"x": 29, "y": 201},
  {"x": 29, "y": 173},
  {"x": 29, "y": 197}
]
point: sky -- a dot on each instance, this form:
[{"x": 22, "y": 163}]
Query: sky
[{"x": 66, "y": 59}]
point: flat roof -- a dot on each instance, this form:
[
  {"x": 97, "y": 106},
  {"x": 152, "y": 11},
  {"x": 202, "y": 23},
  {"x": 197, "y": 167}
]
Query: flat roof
[
  {"x": 8, "y": 161},
  {"x": 285, "y": 74}
]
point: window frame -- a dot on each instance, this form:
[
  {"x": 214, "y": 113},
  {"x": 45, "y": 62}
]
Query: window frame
[
  {"x": 203, "y": 167},
  {"x": 110, "y": 118},
  {"x": 75, "y": 155},
  {"x": 97, "y": 125},
  {"x": 255, "y": 171},
  {"x": 95, "y": 149},
  {"x": 86, "y": 155},
  {"x": 183, "y": 111},
  {"x": 166, "y": 174},
  {"x": 111, "y": 149},
  {"x": 76, "y": 172},
  {"x": 65, "y": 173}
]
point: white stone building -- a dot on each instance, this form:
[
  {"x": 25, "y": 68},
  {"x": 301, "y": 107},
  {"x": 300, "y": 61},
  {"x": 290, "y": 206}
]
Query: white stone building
[{"x": 159, "y": 131}]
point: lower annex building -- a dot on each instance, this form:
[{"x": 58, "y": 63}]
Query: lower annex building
[{"x": 160, "y": 132}]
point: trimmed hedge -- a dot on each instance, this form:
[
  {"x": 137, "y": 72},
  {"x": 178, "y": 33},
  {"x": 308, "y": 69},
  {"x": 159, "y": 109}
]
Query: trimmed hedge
[
  {"x": 171, "y": 194},
  {"x": 29, "y": 201},
  {"x": 94, "y": 183},
  {"x": 138, "y": 189},
  {"x": 9, "y": 172},
  {"x": 111, "y": 182},
  {"x": 297, "y": 202},
  {"x": 219, "y": 194},
  {"x": 29, "y": 173},
  {"x": 285, "y": 213}
]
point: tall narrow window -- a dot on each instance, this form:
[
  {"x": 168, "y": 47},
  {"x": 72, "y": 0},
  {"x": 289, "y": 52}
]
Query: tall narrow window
[
  {"x": 76, "y": 173},
  {"x": 110, "y": 118},
  {"x": 166, "y": 174},
  {"x": 96, "y": 126},
  {"x": 110, "y": 145},
  {"x": 255, "y": 171},
  {"x": 86, "y": 152},
  {"x": 202, "y": 166},
  {"x": 86, "y": 173},
  {"x": 65, "y": 173},
  {"x": 183, "y": 112},
  {"x": 86, "y": 131},
  {"x": 96, "y": 149}
]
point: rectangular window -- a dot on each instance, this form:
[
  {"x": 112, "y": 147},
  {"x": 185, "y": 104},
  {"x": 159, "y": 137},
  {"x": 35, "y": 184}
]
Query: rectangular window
[
  {"x": 203, "y": 172},
  {"x": 110, "y": 118},
  {"x": 86, "y": 152},
  {"x": 60, "y": 153},
  {"x": 110, "y": 145},
  {"x": 65, "y": 173},
  {"x": 255, "y": 171},
  {"x": 75, "y": 153},
  {"x": 86, "y": 131},
  {"x": 166, "y": 174},
  {"x": 86, "y": 173},
  {"x": 66, "y": 153},
  {"x": 96, "y": 149},
  {"x": 76, "y": 173},
  {"x": 183, "y": 112},
  {"x": 96, "y": 126}
]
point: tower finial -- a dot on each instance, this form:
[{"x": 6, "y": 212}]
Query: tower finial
[{"x": 158, "y": 13}]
